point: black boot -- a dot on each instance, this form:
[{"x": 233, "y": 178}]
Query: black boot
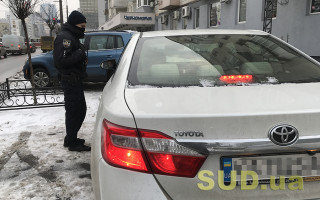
[
  {"x": 79, "y": 147},
  {"x": 79, "y": 141}
]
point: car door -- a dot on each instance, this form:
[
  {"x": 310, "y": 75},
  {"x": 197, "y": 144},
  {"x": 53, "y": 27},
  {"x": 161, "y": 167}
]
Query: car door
[{"x": 100, "y": 48}]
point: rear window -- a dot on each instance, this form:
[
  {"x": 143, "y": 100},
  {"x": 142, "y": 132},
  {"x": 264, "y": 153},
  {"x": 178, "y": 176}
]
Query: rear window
[{"x": 217, "y": 60}]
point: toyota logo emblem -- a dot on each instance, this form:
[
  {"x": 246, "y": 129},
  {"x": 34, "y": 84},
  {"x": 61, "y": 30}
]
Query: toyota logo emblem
[{"x": 283, "y": 135}]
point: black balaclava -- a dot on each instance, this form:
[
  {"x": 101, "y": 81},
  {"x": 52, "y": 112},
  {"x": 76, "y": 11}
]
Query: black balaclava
[{"x": 75, "y": 18}]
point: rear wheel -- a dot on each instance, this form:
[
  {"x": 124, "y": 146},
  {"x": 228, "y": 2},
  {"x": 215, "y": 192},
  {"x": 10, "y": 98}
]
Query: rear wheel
[{"x": 41, "y": 77}]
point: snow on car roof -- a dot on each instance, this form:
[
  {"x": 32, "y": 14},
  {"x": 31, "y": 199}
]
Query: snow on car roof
[{"x": 200, "y": 32}]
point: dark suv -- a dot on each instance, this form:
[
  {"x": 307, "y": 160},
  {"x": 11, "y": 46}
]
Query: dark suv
[{"x": 101, "y": 46}]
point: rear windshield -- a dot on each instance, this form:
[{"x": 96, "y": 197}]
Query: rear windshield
[{"x": 218, "y": 60}]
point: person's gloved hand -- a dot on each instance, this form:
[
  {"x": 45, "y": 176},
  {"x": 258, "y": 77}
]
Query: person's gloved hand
[{"x": 82, "y": 53}]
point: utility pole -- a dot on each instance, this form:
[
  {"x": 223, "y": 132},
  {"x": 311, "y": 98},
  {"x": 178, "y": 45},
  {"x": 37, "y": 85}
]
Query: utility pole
[{"x": 61, "y": 12}]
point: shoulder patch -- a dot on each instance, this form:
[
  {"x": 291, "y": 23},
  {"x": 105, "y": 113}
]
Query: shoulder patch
[{"x": 66, "y": 43}]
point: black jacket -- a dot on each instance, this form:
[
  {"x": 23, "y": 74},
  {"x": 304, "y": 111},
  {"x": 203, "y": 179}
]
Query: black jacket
[{"x": 69, "y": 54}]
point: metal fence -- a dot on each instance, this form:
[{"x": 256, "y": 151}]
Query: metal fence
[{"x": 18, "y": 94}]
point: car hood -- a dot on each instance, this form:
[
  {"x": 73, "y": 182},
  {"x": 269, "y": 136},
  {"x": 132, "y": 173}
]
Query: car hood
[
  {"x": 40, "y": 58},
  {"x": 229, "y": 112},
  {"x": 49, "y": 54}
]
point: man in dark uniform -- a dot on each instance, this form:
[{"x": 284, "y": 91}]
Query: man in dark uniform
[{"x": 70, "y": 60}]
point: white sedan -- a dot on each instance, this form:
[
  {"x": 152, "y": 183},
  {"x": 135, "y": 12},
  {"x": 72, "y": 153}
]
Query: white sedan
[{"x": 208, "y": 114}]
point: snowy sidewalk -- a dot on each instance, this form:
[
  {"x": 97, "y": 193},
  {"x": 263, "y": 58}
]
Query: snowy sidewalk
[{"x": 33, "y": 162}]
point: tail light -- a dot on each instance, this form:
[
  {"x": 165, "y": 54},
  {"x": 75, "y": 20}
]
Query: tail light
[
  {"x": 158, "y": 153},
  {"x": 236, "y": 79},
  {"x": 19, "y": 46},
  {"x": 121, "y": 147}
]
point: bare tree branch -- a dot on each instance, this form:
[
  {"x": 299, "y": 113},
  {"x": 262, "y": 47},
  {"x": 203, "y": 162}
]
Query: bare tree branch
[
  {"x": 48, "y": 16},
  {"x": 22, "y": 9}
]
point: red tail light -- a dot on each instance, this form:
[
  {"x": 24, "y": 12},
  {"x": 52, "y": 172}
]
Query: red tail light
[
  {"x": 19, "y": 46},
  {"x": 236, "y": 78},
  {"x": 121, "y": 148}
]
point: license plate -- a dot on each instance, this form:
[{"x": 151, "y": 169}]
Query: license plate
[{"x": 303, "y": 165}]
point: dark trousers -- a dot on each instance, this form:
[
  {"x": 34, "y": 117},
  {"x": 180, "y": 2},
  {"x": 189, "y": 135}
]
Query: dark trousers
[{"x": 76, "y": 108}]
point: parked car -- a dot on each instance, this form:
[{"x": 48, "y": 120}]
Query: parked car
[
  {"x": 33, "y": 47},
  {"x": 3, "y": 51},
  {"x": 188, "y": 111},
  {"x": 100, "y": 45},
  {"x": 14, "y": 44}
]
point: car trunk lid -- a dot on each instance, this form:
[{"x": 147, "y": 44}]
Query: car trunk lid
[{"x": 226, "y": 121}]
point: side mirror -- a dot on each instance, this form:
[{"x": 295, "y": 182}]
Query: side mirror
[{"x": 108, "y": 64}]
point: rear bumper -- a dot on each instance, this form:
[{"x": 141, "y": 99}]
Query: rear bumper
[
  {"x": 117, "y": 184},
  {"x": 14, "y": 51}
]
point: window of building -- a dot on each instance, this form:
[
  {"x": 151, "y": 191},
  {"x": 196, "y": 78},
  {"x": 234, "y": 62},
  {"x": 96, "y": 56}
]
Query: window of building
[
  {"x": 242, "y": 16},
  {"x": 196, "y": 18},
  {"x": 215, "y": 14},
  {"x": 143, "y": 3},
  {"x": 315, "y": 6},
  {"x": 274, "y": 11},
  {"x": 174, "y": 24},
  {"x": 184, "y": 23}
]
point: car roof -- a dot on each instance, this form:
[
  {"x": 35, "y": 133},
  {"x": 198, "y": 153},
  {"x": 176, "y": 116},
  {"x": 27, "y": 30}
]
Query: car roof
[
  {"x": 107, "y": 32},
  {"x": 201, "y": 32}
]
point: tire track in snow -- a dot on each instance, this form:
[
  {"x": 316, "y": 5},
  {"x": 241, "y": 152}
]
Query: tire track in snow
[
  {"x": 25, "y": 155},
  {"x": 22, "y": 140}
]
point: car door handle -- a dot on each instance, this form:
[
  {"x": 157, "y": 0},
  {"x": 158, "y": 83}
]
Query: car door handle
[{"x": 109, "y": 56}]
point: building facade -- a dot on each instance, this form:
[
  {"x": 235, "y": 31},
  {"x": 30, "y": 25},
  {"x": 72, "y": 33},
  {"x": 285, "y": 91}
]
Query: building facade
[
  {"x": 89, "y": 8},
  {"x": 4, "y": 27},
  {"x": 294, "y": 21},
  {"x": 48, "y": 11},
  {"x": 15, "y": 25},
  {"x": 136, "y": 15}
]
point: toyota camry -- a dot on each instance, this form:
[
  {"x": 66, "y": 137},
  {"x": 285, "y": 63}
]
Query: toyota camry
[{"x": 208, "y": 114}]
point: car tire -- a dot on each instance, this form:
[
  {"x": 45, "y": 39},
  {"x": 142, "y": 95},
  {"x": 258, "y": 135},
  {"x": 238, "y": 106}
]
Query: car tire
[{"x": 41, "y": 77}]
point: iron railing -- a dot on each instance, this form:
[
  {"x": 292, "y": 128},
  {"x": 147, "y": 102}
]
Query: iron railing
[{"x": 18, "y": 94}]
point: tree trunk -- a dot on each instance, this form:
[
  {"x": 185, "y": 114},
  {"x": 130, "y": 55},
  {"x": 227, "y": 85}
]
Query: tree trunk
[{"x": 30, "y": 63}]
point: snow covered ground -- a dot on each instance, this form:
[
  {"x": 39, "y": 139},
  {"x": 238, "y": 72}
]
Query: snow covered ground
[{"x": 33, "y": 162}]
